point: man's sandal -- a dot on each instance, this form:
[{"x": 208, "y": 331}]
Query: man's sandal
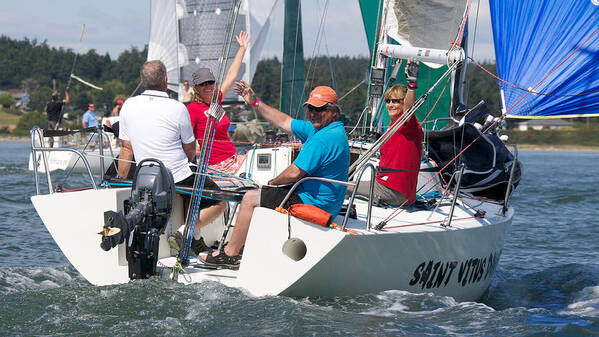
[{"x": 222, "y": 260}]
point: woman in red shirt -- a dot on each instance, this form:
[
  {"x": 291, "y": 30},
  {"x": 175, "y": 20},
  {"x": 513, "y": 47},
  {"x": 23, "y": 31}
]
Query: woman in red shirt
[
  {"x": 397, "y": 177},
  {"x": 223, "y": 154}
]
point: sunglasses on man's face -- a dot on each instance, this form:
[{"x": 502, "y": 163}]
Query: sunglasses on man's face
[
  {"x": 206, "y": 83},
  {"x": 393, "y": 100},
  {"x": 312, "y": 108}
]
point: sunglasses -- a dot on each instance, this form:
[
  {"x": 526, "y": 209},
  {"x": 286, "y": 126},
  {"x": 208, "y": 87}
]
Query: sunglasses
[
  {"x": 323, "y": 108},
  {"x": 393, "y": 100},
  {"x": 206, "y": 83}
]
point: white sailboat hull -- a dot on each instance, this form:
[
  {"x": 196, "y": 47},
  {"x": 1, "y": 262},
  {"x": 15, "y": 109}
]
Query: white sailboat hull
[{"x": 419, "y": 256}]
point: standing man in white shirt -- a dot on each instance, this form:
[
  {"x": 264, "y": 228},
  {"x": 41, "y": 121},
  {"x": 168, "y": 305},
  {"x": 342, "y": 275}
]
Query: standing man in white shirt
[
  {"x": 154, "y": 126},
  {"x": 188, "y": 93}
]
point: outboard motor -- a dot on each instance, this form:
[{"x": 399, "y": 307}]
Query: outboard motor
[{"x": 147, "y": 213}]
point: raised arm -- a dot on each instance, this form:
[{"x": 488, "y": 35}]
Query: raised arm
[
  {"x": 243, "y": 40},
  {"x": 411, "y": 71},
  {"x": 409, "y": 99},
  {"x": 272, "y": 115}
]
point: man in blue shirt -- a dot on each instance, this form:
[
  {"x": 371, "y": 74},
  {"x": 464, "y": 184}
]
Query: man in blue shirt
[
  {"x": 325, "y": 153},
  {"x": 90, "y": 120}
]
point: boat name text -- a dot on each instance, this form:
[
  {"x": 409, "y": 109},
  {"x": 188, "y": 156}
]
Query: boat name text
[{"x": 437, "y": 274}]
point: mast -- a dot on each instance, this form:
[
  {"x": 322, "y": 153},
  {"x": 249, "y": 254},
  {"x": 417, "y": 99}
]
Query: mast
[
  {"x": 402, "y": 28},
  {"x": 292, "y": 71}
]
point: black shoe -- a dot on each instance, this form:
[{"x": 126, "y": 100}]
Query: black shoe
[
  {"x": 175, "y": 241},
  {"x": 222, "y": 260},
  {"x": 198, "y": 246}
]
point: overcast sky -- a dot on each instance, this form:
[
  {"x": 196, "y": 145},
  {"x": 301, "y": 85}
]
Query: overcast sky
[{"x": 113, "y": 26}]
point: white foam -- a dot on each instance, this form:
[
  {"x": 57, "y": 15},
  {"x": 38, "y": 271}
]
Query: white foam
[
  {"x": 38, "y": 278},
  {"x": 586, "y": 303}
]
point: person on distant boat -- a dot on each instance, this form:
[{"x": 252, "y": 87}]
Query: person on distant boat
[
  {"x": 54, "y": 111},
  {"x": 114, "y": 117},
  {"x": 154, "y": 126},
  {"x": 112, "y": 120},
  {"x": 224, "y": 154},
  {"x": 187, "y": 95},
  {"x": 325, "y": 153},
  {"x": 90, "y": 120},
  {"x": 397, "y": 175}
]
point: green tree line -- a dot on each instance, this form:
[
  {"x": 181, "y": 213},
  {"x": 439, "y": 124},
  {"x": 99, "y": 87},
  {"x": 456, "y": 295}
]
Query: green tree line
[{"x": 38, "y": 68}]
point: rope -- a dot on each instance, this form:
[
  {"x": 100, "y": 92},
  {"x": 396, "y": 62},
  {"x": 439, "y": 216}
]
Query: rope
[
  {"x": 204, "y": 157},
  {"x": 428, "y": 223},
  {"x": 177, "y": 268}
]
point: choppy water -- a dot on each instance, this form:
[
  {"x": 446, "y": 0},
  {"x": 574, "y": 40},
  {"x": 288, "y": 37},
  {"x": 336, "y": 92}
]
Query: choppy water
[{"x": 547, "y": 282}]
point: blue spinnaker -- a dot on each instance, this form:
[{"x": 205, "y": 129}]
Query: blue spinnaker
[{"x": 552, "y": 43}]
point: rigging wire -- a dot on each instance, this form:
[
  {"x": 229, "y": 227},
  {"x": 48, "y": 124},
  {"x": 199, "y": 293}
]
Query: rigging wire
[
  {"x": 531, "y": 91},
  {"x": 493, "y": 123},
  {"x": 297, "y": 32},
  {"x": 317, "y": 42},
  {"x": 215, "y": 112},
  {"x": 76, "y": 54}
]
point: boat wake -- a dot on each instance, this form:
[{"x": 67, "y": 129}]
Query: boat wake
[
  {"x": 561, "y": 288},
  {"x": 586, "y": 303},
  {"x": 35, "y": 279}
]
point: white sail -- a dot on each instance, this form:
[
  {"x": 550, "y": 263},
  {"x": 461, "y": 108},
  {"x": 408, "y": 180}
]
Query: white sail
[
  {"x": 260, "y": 27},
  {"x": 164, "y": 43},
  {"x": 424, "y": 25},
  {"x": 187, "y": 35}
]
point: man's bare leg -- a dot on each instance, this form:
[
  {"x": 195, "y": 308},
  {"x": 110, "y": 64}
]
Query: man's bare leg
[
  {"x": 206, "y": 216},
  {"x": 242, "y": 223}
]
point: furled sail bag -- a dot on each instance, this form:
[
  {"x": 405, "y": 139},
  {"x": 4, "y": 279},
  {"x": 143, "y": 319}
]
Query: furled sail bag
[{"x": 487, "y": 161}]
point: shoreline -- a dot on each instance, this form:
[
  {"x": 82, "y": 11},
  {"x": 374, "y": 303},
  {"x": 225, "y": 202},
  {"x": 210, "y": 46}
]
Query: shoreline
[
  {"x": 556, "y": 148},
  {"x": 521, "y": 147},
  {"x": 14, "y": 139}
]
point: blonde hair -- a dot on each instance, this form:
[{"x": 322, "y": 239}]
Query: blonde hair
[{"x": 397, "y": 91}]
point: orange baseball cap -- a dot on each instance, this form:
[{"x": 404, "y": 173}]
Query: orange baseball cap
[{"x": 321, "y": 96}]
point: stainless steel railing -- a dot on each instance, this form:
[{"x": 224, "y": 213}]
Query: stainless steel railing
[
  {"x": 355, "y": 185},
  {"x": 37, "y": 145}
]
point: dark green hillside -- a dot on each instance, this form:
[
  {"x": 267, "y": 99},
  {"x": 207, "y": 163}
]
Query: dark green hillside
[{"x": 33, "y": 65}]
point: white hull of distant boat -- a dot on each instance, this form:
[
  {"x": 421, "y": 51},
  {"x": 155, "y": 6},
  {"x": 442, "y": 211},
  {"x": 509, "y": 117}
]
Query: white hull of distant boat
[
  {"x": 70, "y": 161},
  {"x": 413, "y": 253}
]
